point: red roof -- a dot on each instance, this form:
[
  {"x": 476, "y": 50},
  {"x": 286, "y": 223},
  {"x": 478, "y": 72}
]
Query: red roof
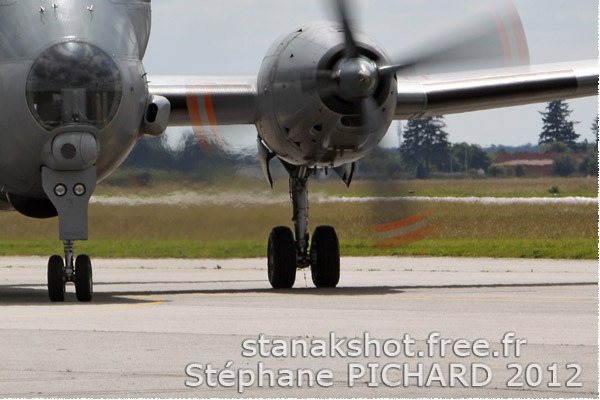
[{"x": 537, "y": 159}]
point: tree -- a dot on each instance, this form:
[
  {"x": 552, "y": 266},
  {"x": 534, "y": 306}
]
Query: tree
[
  {"x": 466, "y": 156},
  {"x": 380, "y": 164},
  {"x": 555, "y": 147},
  {"x": 520, "y": 171},
  {"x": 595, "y": 130},
  {"x": 557, "y": 127},
  {"x": 565, "y": 164},
  {"x": 425, "y": 145},
  {"x": 589, "y": 164}
]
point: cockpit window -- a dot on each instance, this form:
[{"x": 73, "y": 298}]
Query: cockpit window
[{"x": 74, "y": 82}]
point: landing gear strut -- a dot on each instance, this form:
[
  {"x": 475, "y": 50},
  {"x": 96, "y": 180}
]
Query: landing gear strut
[
  {"x": 289, "y": 251},
  {"x": 69, "y": 179}
]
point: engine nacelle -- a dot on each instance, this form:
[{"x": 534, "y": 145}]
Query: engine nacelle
[{"x": 302, "y": 118}]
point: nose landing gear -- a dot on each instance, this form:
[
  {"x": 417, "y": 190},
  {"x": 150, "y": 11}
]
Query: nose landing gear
[
  {"x": 69, "y": 179},
  {"x": 70, "y": 192},
  {"x": 78, "y": 271}
]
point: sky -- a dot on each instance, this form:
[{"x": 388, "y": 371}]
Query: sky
[{"x": 231, "y": 37}]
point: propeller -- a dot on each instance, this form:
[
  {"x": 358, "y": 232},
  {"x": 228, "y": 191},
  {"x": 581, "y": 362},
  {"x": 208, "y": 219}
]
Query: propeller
[
  {"x": 489, "y": 40},
  {"x": 356, "y": 75},
  {"x": 492, "y": 39},
  {"x": 350, "y": 44}
]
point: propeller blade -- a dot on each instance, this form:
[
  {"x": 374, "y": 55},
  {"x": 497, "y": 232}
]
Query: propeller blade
[
  {"x": 493, "y": 39},
  {"x": 342, "y": 11},
  {"x": 370, "y": 115},
  {"x": 389, "y": 70}
]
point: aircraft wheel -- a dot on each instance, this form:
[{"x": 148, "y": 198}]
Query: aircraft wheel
[
  {"x": 282, "y": 258},
  {"x": 56, "y": 279},
  {"x": 83, "y": 278},
  {"x": 325, "y": 253}
]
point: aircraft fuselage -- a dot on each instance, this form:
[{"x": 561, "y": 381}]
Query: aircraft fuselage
[{"x": 74, "y": 68}]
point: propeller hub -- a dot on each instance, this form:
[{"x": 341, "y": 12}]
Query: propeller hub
[{"x": 357, "y": 78}]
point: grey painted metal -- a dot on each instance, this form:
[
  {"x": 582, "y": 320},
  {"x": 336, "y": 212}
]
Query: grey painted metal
[
  {"x": 25, "y": 30},
  {"x": 71, "y": 151},
  {"x": 156, "y": 120},
  {"x": 72, "y": 207},
  {"x": 299, "y": 196},
  {"x": 118, "y": 28},
  {"x": 69, "y": 180},
  {"x": 481, "y": 90},
  {"x": 264, "y": 157},
  {"x": 295, "y": 118},
  {"x": 232, "y": 99}
]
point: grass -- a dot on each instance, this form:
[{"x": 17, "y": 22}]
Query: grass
[
  {"x": 501, "y": 187},
  {"x": 505, "y": 187},
  {"x": 576, "y": 249},
  {"x": 189, "y": 249},
  {"x": 226, "y": 231}
]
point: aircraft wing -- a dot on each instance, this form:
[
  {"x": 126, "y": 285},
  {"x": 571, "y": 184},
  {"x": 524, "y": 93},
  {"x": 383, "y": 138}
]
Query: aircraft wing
[
  {"x": 209, "y": 101},
  {"x": 482, "y": 90}
]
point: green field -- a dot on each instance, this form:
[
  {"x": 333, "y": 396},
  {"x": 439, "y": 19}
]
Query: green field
[{"x": 240, "y": 230}]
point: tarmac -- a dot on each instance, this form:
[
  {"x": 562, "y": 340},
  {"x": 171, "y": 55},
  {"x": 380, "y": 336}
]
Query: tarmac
[{"x": 394, "y": 327}]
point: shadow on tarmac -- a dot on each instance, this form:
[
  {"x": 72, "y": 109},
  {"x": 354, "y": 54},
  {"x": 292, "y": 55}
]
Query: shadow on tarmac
[{"x": 37, "y": 295}]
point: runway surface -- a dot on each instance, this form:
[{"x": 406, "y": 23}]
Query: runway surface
[{"x": 158, "y": 328}]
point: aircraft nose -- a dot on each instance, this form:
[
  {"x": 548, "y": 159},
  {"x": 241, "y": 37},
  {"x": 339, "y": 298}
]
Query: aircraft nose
[{"x": 74, "y": 83}]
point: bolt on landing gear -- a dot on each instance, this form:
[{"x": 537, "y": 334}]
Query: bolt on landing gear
[{"x": 286, "y": 254}]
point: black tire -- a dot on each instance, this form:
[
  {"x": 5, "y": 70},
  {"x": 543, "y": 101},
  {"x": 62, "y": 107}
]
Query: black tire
[
  {"x": 83, "y": 278},
  {"x": 281, "y": 258},
  {"x": 325, "y": 255},
  {"x": 56, "y": 279}
]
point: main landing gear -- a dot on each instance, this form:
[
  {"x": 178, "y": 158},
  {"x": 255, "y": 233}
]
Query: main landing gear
[{"x": 287, "y": 253}]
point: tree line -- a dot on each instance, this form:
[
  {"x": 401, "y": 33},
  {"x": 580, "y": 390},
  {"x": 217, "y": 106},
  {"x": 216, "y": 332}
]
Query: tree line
[{"x": 424, "y": 151}]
